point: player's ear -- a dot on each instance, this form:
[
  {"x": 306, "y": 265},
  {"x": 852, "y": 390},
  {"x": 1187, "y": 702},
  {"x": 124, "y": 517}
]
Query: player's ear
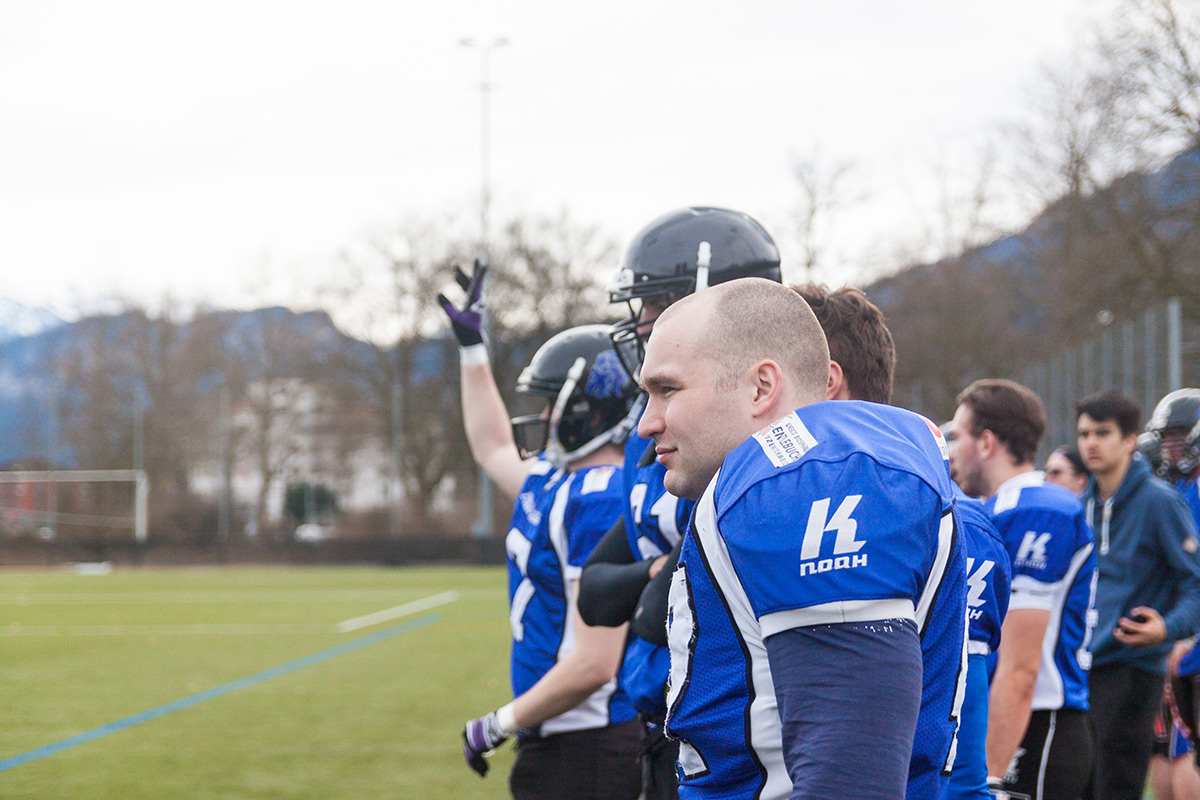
[
  {"x": 837, "y": 379},
  {"x": 988, "y": 443},
  {"x": 766, "y": 386}
]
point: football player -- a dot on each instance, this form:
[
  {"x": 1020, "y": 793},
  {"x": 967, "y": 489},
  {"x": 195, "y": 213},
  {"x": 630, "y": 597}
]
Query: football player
[
  {"x": 1172, "y": 445},
  {"x": 1038, "y": 742},
  {"x": 989, "y": 577},
  {"x": 674, "y": 256},
  {"x": 862, "y": 360},
  {"x": 795, "y": 630},
  {"x": 577, "y": 735}
]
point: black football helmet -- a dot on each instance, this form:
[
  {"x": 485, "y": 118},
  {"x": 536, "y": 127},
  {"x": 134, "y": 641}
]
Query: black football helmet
[
  {"x": 592, "y": 396},
  {"x": 1179, "y": 410},
  {"x": 683, "y": 252}
]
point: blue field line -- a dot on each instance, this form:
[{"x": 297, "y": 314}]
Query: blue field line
[{"x": 219, "y": 691}]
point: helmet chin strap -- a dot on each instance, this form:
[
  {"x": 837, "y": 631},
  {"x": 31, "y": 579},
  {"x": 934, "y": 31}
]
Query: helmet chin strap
[{"x": 703, "y": 259}]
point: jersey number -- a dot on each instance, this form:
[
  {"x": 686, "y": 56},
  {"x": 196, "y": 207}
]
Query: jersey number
[
  {"x": 661, "y": 516},
  {"x": 518, "y": 548}
]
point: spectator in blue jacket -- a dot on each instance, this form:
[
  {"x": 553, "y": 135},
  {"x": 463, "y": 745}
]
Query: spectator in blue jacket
[{"x": 1147, "y": 594}]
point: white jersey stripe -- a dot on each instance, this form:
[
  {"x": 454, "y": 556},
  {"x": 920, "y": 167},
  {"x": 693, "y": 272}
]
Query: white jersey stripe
[
  {"x": 593, "y": 712},
  {"x": 765, "y": 738},
  {"x": 837, "y": 612},
  {"x": 978, "y": 648},
  {"x": 938, "y": 573},
  {"x": 558, "y": 538},
  {"x": 1048, "y": 691}
]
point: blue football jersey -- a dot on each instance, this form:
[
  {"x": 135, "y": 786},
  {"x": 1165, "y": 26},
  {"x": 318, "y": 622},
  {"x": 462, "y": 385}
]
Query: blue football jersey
[
  {"x": 1190, "y": 663},
  {"x": 557, "y": 520},
  {"x": 840, "y": 512},
  {"x": 1054, "y": 569},
  {"x": 654, "y": 521},
  {"x": 989, "y": 573}
]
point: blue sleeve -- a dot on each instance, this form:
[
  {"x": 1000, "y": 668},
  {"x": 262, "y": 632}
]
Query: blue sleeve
[
  {"x": 988, "y": 578},
  {"x": 849, "y": 530},
  {"x": 1176, "y": 529},
  {"x": 848, "y": 696},
  {"x": 969, "y": 778}
]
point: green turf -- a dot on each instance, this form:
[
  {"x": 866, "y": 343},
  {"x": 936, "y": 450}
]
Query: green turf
[{"x": 379, "y": 722}]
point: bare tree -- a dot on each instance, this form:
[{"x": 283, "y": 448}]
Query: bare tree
[
  {"x": 550, "y": 273},
  {"x": 385, "y": 295},
  {"x": 133, "y": 390},
  {"x": 1098, "y": 149},
  {"x": 1150, "y": 57},
  {"x": 547, "y": 274},
  {"x": 826, "y": 188},
  {"x": 277, "y": 391}
]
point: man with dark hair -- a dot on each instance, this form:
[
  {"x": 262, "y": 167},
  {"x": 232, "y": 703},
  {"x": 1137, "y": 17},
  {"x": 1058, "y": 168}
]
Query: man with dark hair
[
  {"x": 1038, "y": 741},
  {"x": 861, "y": 352},
  {"x": 1148, "y": 594}
]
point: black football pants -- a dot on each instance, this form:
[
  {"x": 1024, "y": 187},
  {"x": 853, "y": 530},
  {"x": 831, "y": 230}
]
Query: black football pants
[{"x": 595, "y": 764}]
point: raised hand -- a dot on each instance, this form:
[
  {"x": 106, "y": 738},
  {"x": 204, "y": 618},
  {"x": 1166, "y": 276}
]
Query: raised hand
[{"x": 467, "y": 320}]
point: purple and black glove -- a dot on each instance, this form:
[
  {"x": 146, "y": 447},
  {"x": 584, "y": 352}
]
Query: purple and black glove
[
  {"x": 480, "y": 737},
  {"x": 467, "y": 321}
]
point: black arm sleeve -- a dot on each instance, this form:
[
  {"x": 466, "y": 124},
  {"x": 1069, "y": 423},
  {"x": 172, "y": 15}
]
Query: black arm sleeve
[
  {"x": 650, "y": 619},
  {"x": 611, "y": 581}
]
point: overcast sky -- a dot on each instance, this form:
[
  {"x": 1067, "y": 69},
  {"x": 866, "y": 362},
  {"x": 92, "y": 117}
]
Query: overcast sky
[{"x": 224, "y": 152}]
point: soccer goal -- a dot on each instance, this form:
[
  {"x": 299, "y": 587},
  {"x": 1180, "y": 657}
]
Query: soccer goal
[{"x": 52, "y": 479}]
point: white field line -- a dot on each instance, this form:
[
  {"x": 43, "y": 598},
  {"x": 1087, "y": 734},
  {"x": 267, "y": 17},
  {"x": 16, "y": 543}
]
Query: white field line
[
  {"x": 199, "y": 629},
  {"x": 424, "y": 604},
  {"x": 192, "y": 596},
  {"x": 237, "y": 629}
]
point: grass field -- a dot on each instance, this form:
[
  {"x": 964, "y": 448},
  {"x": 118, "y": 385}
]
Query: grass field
[{"x": 373, "y": 712}]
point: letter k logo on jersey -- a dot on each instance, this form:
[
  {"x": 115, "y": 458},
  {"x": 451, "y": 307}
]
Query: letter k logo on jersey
[
  {"x": 844, "y": 543},
  {"x": 976, "y": 584},
  {"x": 1032, "y": 552}
]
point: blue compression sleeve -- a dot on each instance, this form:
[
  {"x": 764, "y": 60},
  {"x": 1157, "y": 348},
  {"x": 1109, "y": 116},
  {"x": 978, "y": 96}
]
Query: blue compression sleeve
[{"x": 848, "y": 696}]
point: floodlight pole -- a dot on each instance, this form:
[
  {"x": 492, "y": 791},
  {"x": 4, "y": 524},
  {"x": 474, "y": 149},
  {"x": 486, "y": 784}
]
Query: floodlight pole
[{"x": 483, "y": 522}]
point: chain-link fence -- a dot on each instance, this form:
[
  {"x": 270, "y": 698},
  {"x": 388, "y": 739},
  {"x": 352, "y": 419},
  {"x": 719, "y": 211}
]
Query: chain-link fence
[{"x": 1143, "y": 358}]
